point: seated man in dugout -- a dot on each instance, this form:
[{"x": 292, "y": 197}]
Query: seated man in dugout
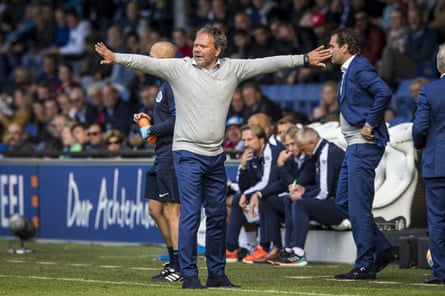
[
  {"x": 313, "y": 205},
  {"x": 257, "y": 178}
]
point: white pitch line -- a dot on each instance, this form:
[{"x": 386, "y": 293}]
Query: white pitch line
[
  {"x": 77, "y": 264},
  {"x": 307, "y": 277},
  {"x": 109, "y": 266},
  {"x": 254, "y": 291},
  {"x": 45, "y": 262}
]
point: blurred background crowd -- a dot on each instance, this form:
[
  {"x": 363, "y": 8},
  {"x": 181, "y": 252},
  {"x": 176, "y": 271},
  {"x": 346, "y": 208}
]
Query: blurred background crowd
[{"x": 55, "y": 95}]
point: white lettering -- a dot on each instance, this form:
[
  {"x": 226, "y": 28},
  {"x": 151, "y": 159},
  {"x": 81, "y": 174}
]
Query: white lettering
[
  {"x": 120, "y": 211},
  {"x": 11, "y": 197},
  {"x": 77, "y": 211}
]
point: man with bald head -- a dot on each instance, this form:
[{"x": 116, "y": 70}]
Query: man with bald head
[{"x": 161, "y": 183}]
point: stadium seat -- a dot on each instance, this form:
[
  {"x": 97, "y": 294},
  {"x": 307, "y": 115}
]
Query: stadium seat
[
  {"x": 396, "y": 175},
  {"x": 393, "y": 196}
]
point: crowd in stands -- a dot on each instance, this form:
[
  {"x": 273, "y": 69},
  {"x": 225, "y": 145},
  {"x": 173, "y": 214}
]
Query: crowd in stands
[{"x": 55, "y": 94}]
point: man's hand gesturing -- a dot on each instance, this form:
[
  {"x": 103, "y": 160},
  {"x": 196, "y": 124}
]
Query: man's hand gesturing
[{"x": 105, "y": 52}]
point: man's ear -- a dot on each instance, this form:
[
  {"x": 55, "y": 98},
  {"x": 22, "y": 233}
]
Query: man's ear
[{"x": 217, "y": 52}]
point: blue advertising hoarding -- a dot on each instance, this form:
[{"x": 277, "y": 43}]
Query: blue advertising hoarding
[
  {"x": 18, "y": 194},
  {"x": 81, "y": 200}
]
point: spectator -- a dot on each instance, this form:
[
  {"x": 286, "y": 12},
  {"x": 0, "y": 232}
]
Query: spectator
[
  {"x": 65, "y": 106},
  {"x": 115, "y": 142},
  {"x": 419, "y": 49},
  {"x": 398, "y": 30},
  {"x": 132, "y": 20},
  {"x": 329, "y": 103},
  {"x": 233, "y": 134},
  {"x": 51, "y": 109},
  {"x": 69, "y": 142},
  {"x": 237, "y": 106},
  {"x": 257, "y": 102},
  {"x": 79, "y": 30},
  {"x": 94, "y": 96},
  {"x": 243, "y": 44},
  {"x": 16, "y": 139},
  {"x": 371, "y": 37},
  {"x": 66, "y": 77},
  {"x": 120, "y": 76},
  {"x": 117, "y": 114},
  {"x": 415, "y": 86},
  {"x": 80, "y": 134},
  {"x": 95, "y": 135},
  {"x": 49, "y": 74},
  {"x": 85, "y": 112},
  {"x": 182, "y": 43},
  {"x": 44, "y": 92},
  {"x": 264, "y": 44},
  {"x": 18, "y": 111}
]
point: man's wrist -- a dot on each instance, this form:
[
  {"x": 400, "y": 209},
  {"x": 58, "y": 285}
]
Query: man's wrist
[{"x": 306, "y": 59}]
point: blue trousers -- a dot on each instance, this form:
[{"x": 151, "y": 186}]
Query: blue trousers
[
  {"x": 271, "y": 216},
  {"x": 435, "y": 203},
  {"x": 236, "y": 221},
  {"x": 355, "y": 195},
  {"x": 202, "y": 182},
  {"x": 304, "y": 210}
]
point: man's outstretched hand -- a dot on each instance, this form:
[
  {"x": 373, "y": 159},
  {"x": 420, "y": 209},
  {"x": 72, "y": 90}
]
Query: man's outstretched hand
[
  {"x": 105, "y": 52},
  {"x": 318, "y": 55}
]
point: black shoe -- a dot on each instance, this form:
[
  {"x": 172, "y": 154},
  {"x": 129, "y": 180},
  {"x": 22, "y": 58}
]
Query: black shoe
[
  {"x": 164, "y": 272},
  {"x": 192, "y": 283},
  {"x": 173, "y": 275},
  {"x": 361, "y": 273},
  {"x": 384, "y": 258},
  {"x": 242, "y": 252},
  {"x": 434, "y": 281},
  {"x": 220, "y": 281}
]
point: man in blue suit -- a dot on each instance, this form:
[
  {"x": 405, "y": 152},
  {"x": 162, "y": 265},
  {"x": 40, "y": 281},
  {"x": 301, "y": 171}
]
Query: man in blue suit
[
  {"x": 363, "y": 99},
  {"x": 429, "y": 133}
]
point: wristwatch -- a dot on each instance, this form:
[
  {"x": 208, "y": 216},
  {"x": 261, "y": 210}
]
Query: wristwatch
[{"x": 306, "y": 59}]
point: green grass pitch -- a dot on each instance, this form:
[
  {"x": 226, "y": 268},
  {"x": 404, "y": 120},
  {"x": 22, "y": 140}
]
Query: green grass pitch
[{"x": 95, "y": 269}]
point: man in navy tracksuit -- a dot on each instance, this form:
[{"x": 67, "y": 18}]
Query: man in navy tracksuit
[
  {"x": 317, "y": 203},
  {"x": 294, "y": 166},
  {"x": 257, "y": 172},
  {"x": 161, "y": 183}
]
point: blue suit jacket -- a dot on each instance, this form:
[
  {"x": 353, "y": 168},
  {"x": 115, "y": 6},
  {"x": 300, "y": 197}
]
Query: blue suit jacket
[
  {"x": 364, "y": 98},
  {"x": 429, "y": 128}
]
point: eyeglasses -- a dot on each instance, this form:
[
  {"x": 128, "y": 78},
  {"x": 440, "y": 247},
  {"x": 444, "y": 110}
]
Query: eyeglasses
[
  {"x": 93, "y": 133},
  {"x": 116, "y": 142},
  {"x": 75, "y": 99}
]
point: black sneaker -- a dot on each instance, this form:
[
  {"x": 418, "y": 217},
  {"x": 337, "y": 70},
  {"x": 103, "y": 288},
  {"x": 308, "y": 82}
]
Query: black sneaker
[
  {"x": 173, "y": 275},
  {"x": 434, "y": 281},
  {"x": 192, "y": 283},
  {"x": 220, "y": 281},
  {"x": 361, "y": 273},
  {"x": 283, "y": 254},
  {"x": 384, "y": 258},
  {"x": 292, "y": 260},
  {"x": 164, "y": 272}
]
